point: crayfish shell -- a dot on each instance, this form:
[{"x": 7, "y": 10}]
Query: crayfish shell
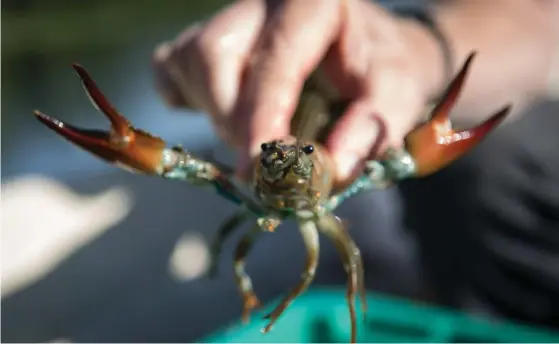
[{"x": 290, "y": 189}]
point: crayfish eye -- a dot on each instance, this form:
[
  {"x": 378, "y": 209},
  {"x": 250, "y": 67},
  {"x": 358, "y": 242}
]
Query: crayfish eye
[
  {"x": 308, "y": 149},
  {"x": 265, "y": 146}
]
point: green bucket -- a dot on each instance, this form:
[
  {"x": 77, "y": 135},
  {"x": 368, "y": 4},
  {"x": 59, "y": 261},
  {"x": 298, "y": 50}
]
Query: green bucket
[{"x": 321, "y": 316}]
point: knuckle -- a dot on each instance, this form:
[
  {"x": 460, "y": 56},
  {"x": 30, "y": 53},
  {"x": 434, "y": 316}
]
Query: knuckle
[
  {"x": 275, "y": 41},
  {"x": 271, "y": 64},
  {"x": 275, "y": 44},
  {"x": 208, "y": 44},
  {"x": 397, "y": 78}
]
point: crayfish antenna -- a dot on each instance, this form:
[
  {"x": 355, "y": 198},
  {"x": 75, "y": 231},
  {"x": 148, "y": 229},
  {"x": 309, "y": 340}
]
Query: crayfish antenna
[
  {"x": 130, "y": 148},
  {"x": 297, "y": 150},
  {"x": 434, "y": 145}
]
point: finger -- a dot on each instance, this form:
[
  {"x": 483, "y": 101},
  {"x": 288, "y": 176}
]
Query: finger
[
  {"x": 292, "y": 44},
  {"x": 353, "y": 138},
  {"x": 396, "y": 100},
  {"x": 225, "y": 46},
  {"x": 204, "y": 65},
  {"x": 173, "y": 92},
  {"x": 164, "y": 84}
]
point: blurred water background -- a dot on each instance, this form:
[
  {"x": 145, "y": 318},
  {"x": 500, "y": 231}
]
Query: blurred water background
[
  {"x": 91, "y": 253},
  {"x": 114, "y": 40}
]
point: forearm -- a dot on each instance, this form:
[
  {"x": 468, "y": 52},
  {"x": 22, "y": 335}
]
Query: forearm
[{"x": 516, "y": 42}]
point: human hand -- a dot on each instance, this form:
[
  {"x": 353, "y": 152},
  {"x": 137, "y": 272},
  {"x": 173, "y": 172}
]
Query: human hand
[{"x": 246, "y": 66}]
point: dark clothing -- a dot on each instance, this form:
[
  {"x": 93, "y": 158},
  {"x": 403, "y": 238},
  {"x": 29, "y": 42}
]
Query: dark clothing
[{"x": 488, "y": 226}]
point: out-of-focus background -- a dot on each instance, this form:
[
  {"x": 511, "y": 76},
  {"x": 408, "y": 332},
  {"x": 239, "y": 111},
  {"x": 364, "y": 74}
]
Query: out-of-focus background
[{"x": 91, "y": 253}]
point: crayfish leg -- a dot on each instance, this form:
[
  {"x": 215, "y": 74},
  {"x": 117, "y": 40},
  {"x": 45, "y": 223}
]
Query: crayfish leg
[
  {"x": 309, "y": 233},
  {"x": 244, "y": 282},
  {"x": 334, "y": 229},
  {"x": 226, "y": 229}
]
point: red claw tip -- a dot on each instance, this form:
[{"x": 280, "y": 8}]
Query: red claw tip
[
  {"x": 50, "y": 122},
  {"x": 434, "y": 145},
  {"x": 120, "y": 124},
  {"x": 442, "y": 110},
  {"x": 95, "y": 141}
]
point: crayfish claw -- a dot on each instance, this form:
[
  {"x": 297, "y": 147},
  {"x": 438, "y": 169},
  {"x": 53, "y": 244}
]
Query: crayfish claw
[
  {"x": 130, "y": 148},
  {"x": 91, "y": 140},
  {"x": 442, "y": 110},
  {"x": 119, "y": 123},
  {"x": 434, "y": 145}
]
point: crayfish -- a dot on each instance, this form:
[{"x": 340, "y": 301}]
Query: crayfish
[{"x": 292, "y": 179}]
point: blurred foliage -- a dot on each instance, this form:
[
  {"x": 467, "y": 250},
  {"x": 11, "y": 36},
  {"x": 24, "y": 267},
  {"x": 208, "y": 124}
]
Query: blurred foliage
[
  {"x": 59, "y": 26},
  {"x": 113, "y": 38}
]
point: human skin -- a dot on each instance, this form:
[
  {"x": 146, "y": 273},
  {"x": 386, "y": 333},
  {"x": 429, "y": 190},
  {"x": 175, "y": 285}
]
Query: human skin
[{"x": 245, "y": 67}]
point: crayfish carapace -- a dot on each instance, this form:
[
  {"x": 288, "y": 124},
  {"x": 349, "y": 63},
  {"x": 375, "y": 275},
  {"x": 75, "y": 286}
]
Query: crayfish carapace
[{"x": 292, "y": 179}]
